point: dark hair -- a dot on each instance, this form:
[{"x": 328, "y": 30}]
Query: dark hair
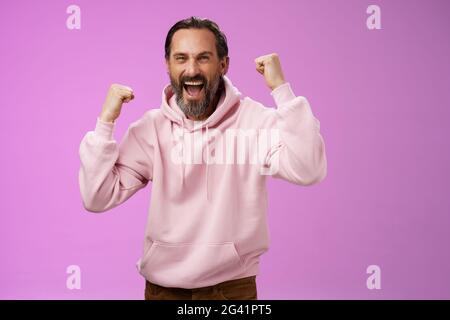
[{"x": 199, "y": 23}]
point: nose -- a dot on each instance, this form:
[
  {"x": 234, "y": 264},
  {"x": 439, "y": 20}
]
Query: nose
[{"x": 192, "y": 68}]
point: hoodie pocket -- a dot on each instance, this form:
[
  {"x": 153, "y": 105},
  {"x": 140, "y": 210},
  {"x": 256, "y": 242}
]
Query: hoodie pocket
[{"x": 190, "y": 264}]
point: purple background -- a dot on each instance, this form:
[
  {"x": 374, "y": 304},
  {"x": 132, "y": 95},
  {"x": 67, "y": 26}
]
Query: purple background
[{"x": 382, "y": 97}]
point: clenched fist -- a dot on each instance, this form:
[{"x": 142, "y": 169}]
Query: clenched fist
[
  {"x": 270, "y": 67},
  {"x": 117, "y": 95}
]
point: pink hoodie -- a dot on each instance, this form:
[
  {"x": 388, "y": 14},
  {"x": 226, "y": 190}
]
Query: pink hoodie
[{"x": 207, "y": 217}]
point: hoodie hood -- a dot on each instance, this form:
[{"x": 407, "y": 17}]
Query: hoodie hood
[
  {"x": 175, "y": 114},
  {"x": 230, "y": 97}
]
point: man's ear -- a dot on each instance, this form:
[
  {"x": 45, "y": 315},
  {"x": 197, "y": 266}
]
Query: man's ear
[
  {"x": 167, "y": 65},
  {"x": 225, "y": 64}
]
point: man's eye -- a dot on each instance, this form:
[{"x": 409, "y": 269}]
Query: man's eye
[
  {"x": 204, "y": 58},
  {"x": 179, "y": 58}
]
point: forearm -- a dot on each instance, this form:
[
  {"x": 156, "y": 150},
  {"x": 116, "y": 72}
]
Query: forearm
[
  {"x": 105, "y": 182},
  {"x": 302, "y": 157}
]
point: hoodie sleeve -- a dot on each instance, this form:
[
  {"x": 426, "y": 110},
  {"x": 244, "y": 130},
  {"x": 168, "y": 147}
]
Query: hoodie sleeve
[
  {"x": 299, "y": 156},
  {"x": 110, "y": 173}
]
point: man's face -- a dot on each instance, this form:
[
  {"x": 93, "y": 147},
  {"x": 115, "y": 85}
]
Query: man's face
[{"x": 195, "y": 69}]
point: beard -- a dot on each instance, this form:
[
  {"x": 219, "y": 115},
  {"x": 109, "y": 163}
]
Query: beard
[{"x": 196, "y": 108}]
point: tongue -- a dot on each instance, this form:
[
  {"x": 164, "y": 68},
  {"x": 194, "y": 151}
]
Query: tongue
[{"x": 194, "y": 90}]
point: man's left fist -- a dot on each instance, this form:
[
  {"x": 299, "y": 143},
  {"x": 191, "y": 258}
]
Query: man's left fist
[{"x": 269, "y": 66}]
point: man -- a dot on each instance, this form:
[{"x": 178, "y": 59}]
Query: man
[{"x": 207, "y": 219}]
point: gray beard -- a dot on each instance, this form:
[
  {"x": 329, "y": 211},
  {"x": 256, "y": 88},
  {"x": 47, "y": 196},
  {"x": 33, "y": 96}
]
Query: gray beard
[{"x": 196, "y": 108}]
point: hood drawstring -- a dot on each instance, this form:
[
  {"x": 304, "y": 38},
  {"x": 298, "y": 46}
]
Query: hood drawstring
[
  {"x": 182, "y": 150},
  {"x": 183, "y": 155},
  {"x": 207, "y": 164}
]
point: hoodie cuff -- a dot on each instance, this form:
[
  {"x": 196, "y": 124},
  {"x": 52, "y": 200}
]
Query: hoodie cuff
[
  {"x": 282, "y": 94},
  {"x": 104, "y": 129}
]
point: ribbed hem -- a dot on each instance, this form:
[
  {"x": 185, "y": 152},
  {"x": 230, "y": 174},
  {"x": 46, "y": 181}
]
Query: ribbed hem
[
  {"x": 251, "y": 270},
  {"x": 104, "y": 129},
  {"x": 282, "y": 94}
]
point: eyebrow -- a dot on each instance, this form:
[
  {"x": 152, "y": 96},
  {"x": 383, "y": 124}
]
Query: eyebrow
[{"x": 200, "y": 54}]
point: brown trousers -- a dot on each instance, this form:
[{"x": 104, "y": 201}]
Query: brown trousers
[{"x": 237, "y": 289}]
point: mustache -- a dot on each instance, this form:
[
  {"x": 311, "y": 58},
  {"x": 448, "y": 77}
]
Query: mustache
[{"x": 196, "y": 78}]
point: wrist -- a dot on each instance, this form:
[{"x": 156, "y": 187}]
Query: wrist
[
  {"x": 278, "y": 84},
  {"x": 106, "y": 118}
]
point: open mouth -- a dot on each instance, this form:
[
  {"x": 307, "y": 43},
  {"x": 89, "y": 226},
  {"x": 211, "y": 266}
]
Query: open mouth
[{"x": 194, "y": 89}]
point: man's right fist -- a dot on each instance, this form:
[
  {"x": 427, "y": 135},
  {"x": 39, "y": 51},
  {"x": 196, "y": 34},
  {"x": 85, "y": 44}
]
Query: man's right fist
[{"x": 117, "y": 95}]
